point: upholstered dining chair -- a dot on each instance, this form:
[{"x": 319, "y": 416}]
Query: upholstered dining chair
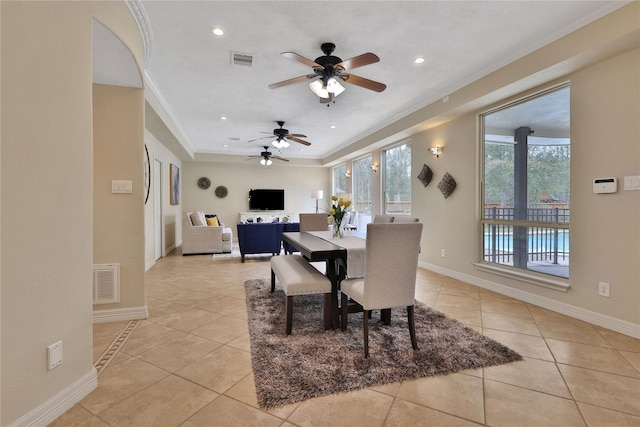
[
  {"x": 404, "y": 218},
  {"x": 391, "y": 264},
  {"x": 313, "y": 222},
  {"x": 382, "y": 219}
]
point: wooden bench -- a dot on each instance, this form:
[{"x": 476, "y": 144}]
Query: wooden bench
[{"x": 297, "y": 277}]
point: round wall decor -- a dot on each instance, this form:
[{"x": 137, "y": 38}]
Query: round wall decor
[
  {"x": 204, "y": 183},
  {"x": 221, "y": 191}
]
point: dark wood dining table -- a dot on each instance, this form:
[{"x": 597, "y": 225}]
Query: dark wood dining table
[{"x": 315, "y": 248}]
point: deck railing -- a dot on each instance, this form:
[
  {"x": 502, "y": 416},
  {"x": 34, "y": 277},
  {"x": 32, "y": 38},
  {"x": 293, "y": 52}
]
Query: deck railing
[{"x": 543, "y": 244}]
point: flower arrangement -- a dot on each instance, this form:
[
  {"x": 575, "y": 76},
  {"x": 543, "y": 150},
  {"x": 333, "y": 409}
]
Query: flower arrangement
[{"x": 338, "y": 208}]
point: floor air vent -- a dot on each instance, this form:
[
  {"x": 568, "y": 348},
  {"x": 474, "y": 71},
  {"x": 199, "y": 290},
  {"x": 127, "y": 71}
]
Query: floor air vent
[
  {"x": 241, "y": 59},
  {"x": 106, "y": 283}
]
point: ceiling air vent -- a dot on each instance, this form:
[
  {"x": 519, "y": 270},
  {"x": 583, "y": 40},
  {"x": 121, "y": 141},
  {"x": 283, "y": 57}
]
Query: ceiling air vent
[{"x": 238, "y": 58}]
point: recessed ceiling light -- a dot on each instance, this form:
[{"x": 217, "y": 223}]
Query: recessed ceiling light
[
  {"x": 333, "y": 126},
  {"x": 225, "y": 145},
  {"x": 217, "y": 31},
  {"x": 419, "y": 60},
  {"x": 223, "y": 117}
]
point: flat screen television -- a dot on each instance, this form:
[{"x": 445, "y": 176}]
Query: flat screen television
[{"x": 266, "y": 200}]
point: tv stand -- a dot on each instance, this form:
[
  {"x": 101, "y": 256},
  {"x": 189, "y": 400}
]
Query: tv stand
[{"x": 268, "y": 216}]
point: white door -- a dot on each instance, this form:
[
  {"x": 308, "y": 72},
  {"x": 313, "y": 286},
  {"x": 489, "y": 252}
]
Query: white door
[{"x": 157, "y": 208}]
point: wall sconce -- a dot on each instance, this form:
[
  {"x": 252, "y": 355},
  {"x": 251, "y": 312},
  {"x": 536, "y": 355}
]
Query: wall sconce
[
  {"x": 436, "y": 151},
  {"x": 374, "y": 167},
  {"x": 347, "y": 174}
]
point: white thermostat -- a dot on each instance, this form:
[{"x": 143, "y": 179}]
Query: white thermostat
[{"x": 605, "y": 185}]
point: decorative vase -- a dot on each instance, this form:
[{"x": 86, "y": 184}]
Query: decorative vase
[{"x": 337, "y": 228}]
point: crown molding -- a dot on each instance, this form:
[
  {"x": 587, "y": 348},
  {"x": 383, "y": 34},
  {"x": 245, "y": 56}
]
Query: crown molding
[{"x": 140, "y": 15}]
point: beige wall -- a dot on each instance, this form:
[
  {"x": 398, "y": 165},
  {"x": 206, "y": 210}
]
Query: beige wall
[
  {"x": 118, "y": 219},
  {"x": 239, "y": 178},
  {"x": 605, "y": 229},
  {"x": 47, "y": 216}
]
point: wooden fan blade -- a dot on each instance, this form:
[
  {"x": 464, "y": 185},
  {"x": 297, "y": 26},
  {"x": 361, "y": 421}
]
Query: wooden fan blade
[
  {"x": 299, "y": 141},
  {"x": 280, "y": 158},
  {"x": 365, "y": 83},
  {"x": 290, "y": 81},
  {"x": 263, "y": 137},
  {"x": 299, "y": 135},
  {"x": 302, "y": 59},
  {"x": 358, "y": 61}
]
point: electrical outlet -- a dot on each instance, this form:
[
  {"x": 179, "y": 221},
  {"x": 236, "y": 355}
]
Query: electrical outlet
[
  {"x": 443, "y": 253},
  {"x": 55, "y": 354},
  {"x": 604, "y": 289}
]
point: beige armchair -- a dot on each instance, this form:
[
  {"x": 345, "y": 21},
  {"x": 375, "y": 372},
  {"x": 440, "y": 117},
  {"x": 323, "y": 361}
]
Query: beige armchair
[
  {"x": 200, "y": 238},
  {"x": 391, "y": 264}
]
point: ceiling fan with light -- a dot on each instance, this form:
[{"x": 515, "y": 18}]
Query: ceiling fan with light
[
  {"x": 282, "y": 135},
  {"x": 329, "y": 70},
  {"x": 266, "y": 156}
]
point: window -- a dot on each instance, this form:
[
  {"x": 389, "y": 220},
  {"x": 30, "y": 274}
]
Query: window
[
  {"x": 525, "y": 211},
  {"x": 362, "y": 185},
  {"x": 397, "y": 179},
  {"x": 340, "y": 179}
]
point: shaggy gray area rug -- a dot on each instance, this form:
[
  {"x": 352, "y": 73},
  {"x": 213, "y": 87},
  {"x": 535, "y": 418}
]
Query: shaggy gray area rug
[{"x": 313, "y": 362}]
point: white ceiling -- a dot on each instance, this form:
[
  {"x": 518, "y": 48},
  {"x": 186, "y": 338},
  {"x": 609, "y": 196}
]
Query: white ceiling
[{"x": 190, "y": 72}]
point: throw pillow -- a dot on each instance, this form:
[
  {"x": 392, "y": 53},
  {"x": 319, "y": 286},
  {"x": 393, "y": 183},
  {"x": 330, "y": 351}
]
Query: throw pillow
[
  {"x": 213, "y": 221},
  {"x": 197, "y": 219}
]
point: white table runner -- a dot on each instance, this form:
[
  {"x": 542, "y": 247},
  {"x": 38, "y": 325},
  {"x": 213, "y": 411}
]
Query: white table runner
[{"x": 355, "y": 247}]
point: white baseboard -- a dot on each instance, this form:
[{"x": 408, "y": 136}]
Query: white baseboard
[
  {"x": 119, "y": 314},
  {"x": 608, "y": 322},
  {"x": 170, "y": 248},
  {"x": 60, "y": 403}
]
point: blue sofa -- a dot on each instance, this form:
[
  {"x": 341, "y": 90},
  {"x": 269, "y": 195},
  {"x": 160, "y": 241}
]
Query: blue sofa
[
  {"x": 259, "y": 238},
  {"x": 290, "y": 226}
]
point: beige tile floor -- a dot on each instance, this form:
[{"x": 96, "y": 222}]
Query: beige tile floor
[{"x": 189, "y": 364}]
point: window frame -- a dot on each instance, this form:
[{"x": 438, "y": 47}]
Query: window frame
[
  {"x": 354, "y": 183},
  {"x": 338, "y": 171},
  {"x": 383, "y": 177},
  {"x": 530, "y": 276}
]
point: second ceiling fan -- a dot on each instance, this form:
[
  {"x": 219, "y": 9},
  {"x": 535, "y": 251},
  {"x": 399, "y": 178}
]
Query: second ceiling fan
[
  {"x": 282, "y": 135},
  {"x": 266, "y": 156},
  {"x": 330, "y": 70}
]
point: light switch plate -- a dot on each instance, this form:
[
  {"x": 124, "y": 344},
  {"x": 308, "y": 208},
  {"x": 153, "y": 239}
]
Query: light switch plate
[
  {"x": 121, "y": 186},
  {"x": 632, "y": 183}
]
